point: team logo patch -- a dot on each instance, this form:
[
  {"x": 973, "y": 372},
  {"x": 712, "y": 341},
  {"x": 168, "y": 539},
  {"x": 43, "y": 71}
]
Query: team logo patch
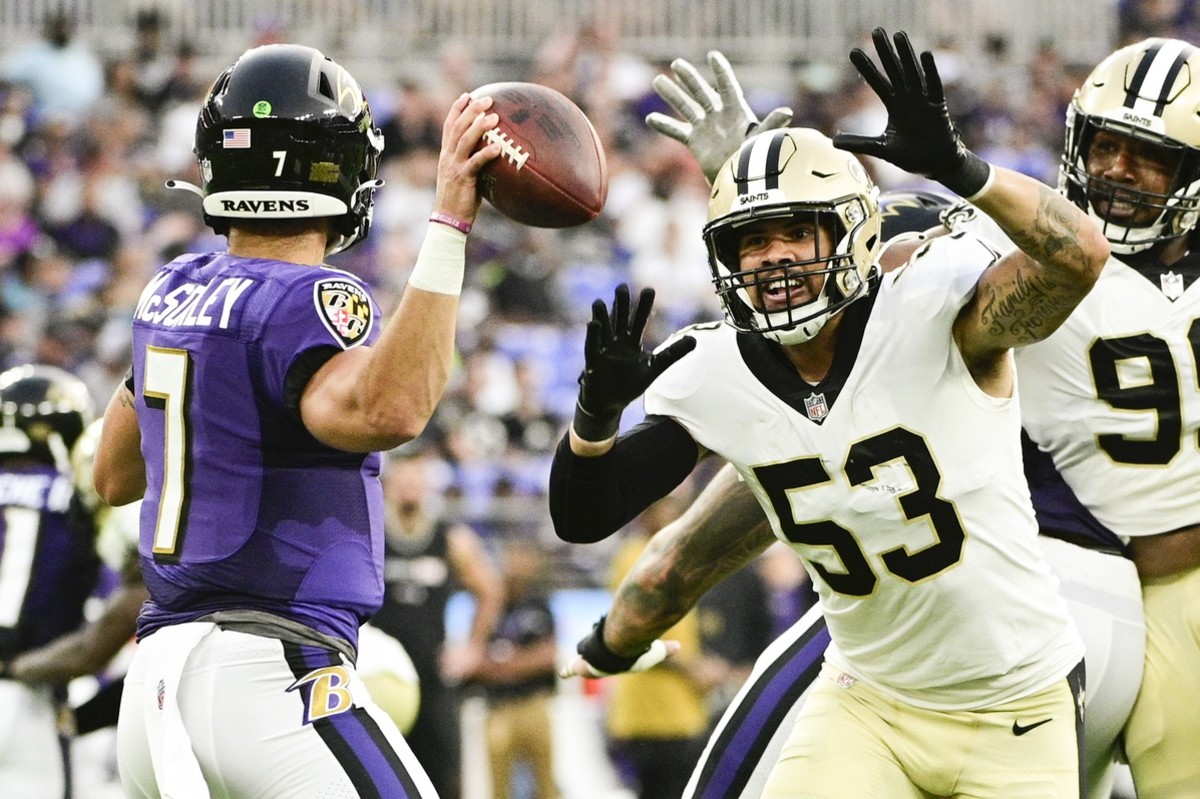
[
  {"x": 324, "y": 172},
  {"x": 815, "y": 406},
  {"x": 345, "y": 310},
  {"x": 326, "y": 692},
  {"x": 1172, "y": 285}
]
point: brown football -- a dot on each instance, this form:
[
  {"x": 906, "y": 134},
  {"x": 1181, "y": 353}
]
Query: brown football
[{"x": 552, "y": 171}]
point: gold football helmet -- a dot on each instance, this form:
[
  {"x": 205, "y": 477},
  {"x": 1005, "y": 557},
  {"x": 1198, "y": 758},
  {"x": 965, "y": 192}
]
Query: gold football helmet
[
  {"x": 1149, "y": 91},
  {"x": 788, "y": 173}
]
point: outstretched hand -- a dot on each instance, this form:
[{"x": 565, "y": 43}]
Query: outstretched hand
[
  {"x": 617, "y": 368},
  {"x": 715, "y": 121},
  {"x": 919, "y": 137}
]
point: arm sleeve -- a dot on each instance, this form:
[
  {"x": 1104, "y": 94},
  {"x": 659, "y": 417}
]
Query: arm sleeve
[
  {"x": 592, "y": 498},
  {"x": 311, "y": 322}
]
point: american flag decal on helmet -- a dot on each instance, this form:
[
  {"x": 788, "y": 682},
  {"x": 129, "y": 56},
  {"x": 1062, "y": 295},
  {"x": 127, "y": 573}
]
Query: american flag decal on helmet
[{"x": 1152, "y": 85}]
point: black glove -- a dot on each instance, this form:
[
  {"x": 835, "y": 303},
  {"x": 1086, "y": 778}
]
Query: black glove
[
  {"x": 919, "y": 137},
  {"x": 616, "y": 368},
  {"x": 600, "y": 661}
]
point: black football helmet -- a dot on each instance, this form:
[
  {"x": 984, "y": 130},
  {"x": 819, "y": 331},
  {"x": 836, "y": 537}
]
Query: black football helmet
[
  {"x": 43, "y": 412},
  {"x": 286, "y": 133}
]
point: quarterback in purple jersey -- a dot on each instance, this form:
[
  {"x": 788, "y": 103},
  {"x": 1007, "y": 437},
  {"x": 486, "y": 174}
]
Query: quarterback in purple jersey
[
  {"x": 264, "y": 384},
  {"x": 48, "y": 565}
]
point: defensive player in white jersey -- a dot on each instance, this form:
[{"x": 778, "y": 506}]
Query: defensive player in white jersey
[
  {"x": 875, "y": 420},
  {"x": 1111, "y": 400},
  {"x": 1117, "y": 390},
  {"x": 1113, "y": 396}
]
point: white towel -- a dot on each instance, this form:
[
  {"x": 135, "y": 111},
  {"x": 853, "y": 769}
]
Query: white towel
[{"x": 175, "y": 766}]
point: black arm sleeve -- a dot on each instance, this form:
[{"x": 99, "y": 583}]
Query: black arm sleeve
[
  {"x": 301, "y": 371},
  {"x": 592, "y": 498}
]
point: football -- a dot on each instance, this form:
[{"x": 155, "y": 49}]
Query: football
[{"x": 552, "y": 172}]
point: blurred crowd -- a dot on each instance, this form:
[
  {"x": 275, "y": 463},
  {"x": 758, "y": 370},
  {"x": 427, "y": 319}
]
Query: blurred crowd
[{"x": 86, "y": 144}]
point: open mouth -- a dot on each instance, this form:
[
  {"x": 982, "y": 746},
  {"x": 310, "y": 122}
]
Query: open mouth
[
  {"x": 1126, "y": 209},
  {"x": 1117, "y": 210},
  {"x": 784, "y": 291}
]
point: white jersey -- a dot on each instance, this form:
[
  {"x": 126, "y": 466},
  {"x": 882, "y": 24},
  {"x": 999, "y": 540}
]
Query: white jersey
[
  {"x": 907, "y": 501},
  {"x": 1114, "y": 396}
]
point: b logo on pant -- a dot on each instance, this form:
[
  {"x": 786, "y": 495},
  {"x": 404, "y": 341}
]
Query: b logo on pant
[{"x": 325, "y": 692}]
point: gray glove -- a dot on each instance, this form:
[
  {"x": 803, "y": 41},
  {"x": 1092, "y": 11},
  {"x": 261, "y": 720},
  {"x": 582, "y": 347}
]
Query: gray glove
[{"x": 715, "y": 121}]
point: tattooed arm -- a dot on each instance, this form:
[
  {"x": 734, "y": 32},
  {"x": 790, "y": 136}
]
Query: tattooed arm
[
  {"x": 1026, "y": 295},
  {"x": 722, "y": 531},
  {"x": 119, "y": 473}
]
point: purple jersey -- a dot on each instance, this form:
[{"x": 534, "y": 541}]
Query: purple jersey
[
  {"x": 48, "y": 561},
  {"x": 244, "y": 509}
]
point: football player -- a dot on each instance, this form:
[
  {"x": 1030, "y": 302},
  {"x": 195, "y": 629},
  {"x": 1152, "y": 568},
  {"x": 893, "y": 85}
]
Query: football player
[
  {"x": 1115, "y": 395},
  {"x": 875, "y": 420},
  {"x": 48, "y": 564},
  {"x": 383, "y": 664},
  {"x": 264, "y": 384},
  {"x": 1138, "y": 177}
]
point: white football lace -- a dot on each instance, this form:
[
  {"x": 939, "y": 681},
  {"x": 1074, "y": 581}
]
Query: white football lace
[{"x": 509, "y": 149}]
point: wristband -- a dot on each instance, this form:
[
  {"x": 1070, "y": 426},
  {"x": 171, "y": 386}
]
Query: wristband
[
  {"x": 452, "y": 221},
  {"x": 600, "y": 657},
  {"x": 987, "y": 184},
  {"x": 972, "y": 178},
  {"x": 595, "y": 428},
  {"x": 441, "y": 261}
]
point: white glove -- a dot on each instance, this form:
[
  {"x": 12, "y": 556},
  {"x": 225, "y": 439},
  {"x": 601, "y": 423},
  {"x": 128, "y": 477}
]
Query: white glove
[
  {"x": 659, "y": 651},
  {"x": 715, "y": 121}
]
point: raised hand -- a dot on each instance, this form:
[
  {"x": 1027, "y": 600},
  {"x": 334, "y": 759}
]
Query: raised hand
[
  {"x": 617, "y": 369},
  {"x": 919, "y": 137},
  {"x": 715, "y": 121}
]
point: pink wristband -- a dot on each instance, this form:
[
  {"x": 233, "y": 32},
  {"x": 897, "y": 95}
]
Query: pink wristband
[{"x": 454, "y": 222}]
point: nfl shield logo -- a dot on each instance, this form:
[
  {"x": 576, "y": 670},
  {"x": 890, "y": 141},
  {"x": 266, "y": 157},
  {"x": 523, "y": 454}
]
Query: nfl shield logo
[
  {"x": 815, "y": 406},
  {"x": 1172, "y": 285}
]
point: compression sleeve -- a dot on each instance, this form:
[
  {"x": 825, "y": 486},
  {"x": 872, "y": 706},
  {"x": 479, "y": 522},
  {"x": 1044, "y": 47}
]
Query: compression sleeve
[{"x": 592, "y": 498}]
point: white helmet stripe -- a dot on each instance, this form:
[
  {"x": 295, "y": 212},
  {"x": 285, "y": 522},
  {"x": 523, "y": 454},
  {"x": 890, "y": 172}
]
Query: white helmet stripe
[{"x": 1149, "y": 89}]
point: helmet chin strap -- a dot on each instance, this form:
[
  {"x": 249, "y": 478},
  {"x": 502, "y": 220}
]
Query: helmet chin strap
[
  {"x": 801, "y": 331},
  {"x": 369, "y": 184},
  {"x": 185, "y": 186}
]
